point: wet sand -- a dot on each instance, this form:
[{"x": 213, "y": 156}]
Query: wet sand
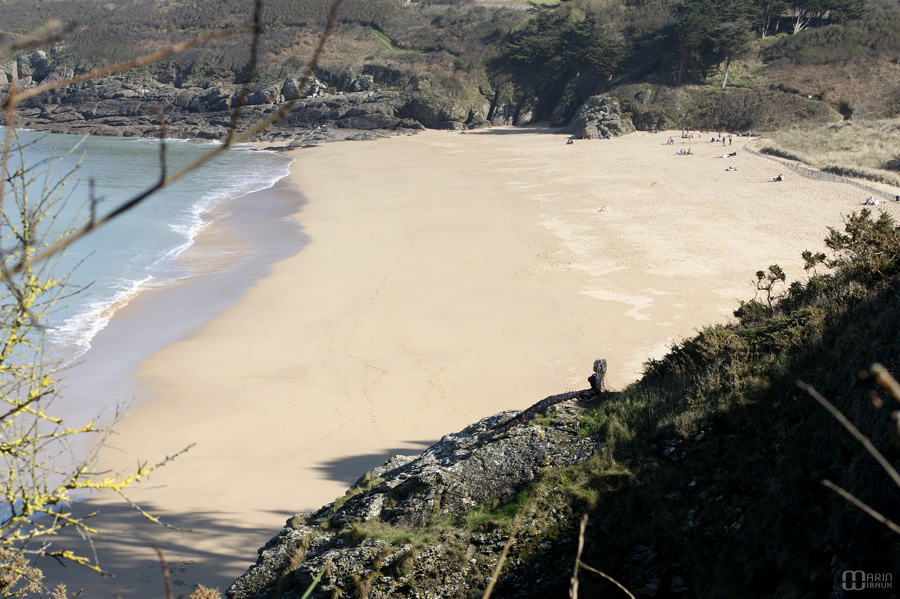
[{"x": 449, "y": 276}]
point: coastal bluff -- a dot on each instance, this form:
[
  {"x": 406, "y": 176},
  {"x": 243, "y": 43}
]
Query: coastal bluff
[
  {"x": 396, "y": 531},
  {"x": 133, "y": 106}
]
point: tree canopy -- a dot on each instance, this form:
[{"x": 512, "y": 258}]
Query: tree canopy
[{"x": 552, "y": 49}]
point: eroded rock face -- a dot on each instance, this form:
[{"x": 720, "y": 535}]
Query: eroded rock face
[
  {"x": 460, "y": 472},
  {"x": 119, "y": 106},
  {"x": 599, "y": 115}
]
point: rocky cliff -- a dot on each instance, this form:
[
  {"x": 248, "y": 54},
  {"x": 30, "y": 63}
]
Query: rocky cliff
[
  {"x": 131, "y": 106},
  {"x": 400, "y": 530}
]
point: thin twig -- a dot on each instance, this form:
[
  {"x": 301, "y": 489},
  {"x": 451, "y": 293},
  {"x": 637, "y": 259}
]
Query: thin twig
[
  {"x": 40, "y": 37},
  {"x": 852, "y": 499},
  {"x": 884, "y": 378},
  {"x": 496, "y": 573},
  {"x": 313, "y": 584},
  {"x": 92, "y": 199},
  {"x": 251, "y": 70},
  {"x": 179, "y": 48},
  {"x": 853, "y": 431},
  {"x": 162, "y": 143},
  {"x": 573, "y": 588},
  {"x": 165, "y": 570},
  {"x": 607, "y": 577},
  {"x": 503, "y": 554}
]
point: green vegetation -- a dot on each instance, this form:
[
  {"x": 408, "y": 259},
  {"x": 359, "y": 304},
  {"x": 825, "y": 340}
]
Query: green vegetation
[
  {"x": 552, "y": 50},
  {"x": 839, "y": 56},
  {"x": 362, "y": 486},
  {"x": 385, "y": 41},
  {"x": 862, "y": 149}
]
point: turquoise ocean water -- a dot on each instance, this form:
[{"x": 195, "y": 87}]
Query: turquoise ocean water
[{"x": 141, "y": 248}]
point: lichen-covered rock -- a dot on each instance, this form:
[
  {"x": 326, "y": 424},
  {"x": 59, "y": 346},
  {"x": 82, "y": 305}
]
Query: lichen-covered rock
[
  {"x": 291, "y": 86},
  {"x": 460, "y": 472},
  {"x": 599, "y": 115}
]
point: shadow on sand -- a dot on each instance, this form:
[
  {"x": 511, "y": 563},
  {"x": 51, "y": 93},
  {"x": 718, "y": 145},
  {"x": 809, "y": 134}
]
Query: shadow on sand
[{"x": 351, "y": 469}]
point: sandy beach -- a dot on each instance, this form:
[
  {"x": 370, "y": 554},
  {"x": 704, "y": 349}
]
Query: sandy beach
[{"x": 448, "y": 276}]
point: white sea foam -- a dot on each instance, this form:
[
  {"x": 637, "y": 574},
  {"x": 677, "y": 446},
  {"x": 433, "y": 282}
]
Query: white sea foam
[{"x": 78, "y": 330}]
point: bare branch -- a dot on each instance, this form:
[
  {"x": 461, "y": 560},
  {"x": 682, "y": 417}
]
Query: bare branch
[
  {"x": 251, "y": 71},
  {"x": 31, "y": 92},
  {"x": 496, "y": 573},
  {"x": 573, "y": 590},
  {"x": 607, "y": 577},
  {"x": 509, "y": 543},
  {"x": 853, "y": 431},
  {"x": 52, "y": 32},
  {"x": 573, "y": 587},
  {"x": 884, "y": 378},
  {"x": 852, "y": 499},
  {"x": 165, "y": 570}
]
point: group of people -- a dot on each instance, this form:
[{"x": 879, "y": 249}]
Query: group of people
[{"x": 684, "y": 152}]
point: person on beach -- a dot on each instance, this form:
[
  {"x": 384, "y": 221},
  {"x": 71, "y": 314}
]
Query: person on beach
[{"x": 778, "y": 178}]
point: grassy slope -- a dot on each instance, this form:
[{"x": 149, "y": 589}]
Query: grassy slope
[
  {"x": 713, "y": 460},
  {"x": 865, "y": 149}
]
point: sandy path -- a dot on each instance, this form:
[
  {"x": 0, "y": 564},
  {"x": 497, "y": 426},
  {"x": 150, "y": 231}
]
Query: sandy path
[{"x": 449, "y": 276}]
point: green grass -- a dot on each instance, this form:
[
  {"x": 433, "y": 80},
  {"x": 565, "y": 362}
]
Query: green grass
[
  {"x": 865, "y": 149},
  {"x": 364, "y": 485},
  {"x": 385, "y": 41}
]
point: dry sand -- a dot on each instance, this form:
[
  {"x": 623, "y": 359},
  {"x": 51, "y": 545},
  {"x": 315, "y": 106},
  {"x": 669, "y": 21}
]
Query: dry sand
[{"x": 449, "y": 276}]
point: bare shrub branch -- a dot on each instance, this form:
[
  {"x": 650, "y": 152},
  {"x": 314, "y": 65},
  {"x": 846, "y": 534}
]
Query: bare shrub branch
[
  {"x": 852, "y": 499},
  {"x": 873, "y": 451}
]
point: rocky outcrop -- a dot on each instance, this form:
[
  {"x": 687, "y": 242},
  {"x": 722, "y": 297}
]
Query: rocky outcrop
[
  {"x": 599, "y": 116},
  {"x": 408, "y": 494},
  {"x": 127, "y": 107},
  {"x": 121, "y": 105}
]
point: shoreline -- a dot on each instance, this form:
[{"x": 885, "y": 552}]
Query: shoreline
[
  {"x": 226, "y": 256},
  {"x": 243, "y": 238},
  {"x": 450, "y": 276}
]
